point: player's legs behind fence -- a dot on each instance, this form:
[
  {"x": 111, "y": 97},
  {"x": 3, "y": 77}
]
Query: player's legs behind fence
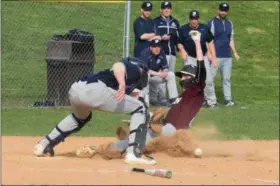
[
  {"x": 85, "y": 97},
  {"x": 171, "y": 60}
]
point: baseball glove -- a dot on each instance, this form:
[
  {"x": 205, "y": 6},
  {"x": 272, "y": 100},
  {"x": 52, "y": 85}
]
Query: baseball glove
[
  {"x": 158, "y": 114},
  {"x": 86, "y": 151},
  {"x": 155, "y": 123}
]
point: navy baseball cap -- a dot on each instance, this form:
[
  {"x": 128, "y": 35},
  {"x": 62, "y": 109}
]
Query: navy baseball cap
[
  {"x": 147, "y": 6},
  {"x": 224, "y": 7},
  {"x": 166, "y": 4},
  {"x": 155, "y": 43},
  {"x": 194, "y": 14}
]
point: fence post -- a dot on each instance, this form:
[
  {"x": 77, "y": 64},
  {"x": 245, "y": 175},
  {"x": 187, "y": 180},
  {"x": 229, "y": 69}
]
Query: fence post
[{"x": 127, "y": 29}]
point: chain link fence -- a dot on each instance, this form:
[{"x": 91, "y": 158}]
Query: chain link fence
[{"x": 40, "y": 61}]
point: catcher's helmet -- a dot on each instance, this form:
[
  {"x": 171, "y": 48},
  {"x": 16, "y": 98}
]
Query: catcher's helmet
[{"x": 142, "y": 64}]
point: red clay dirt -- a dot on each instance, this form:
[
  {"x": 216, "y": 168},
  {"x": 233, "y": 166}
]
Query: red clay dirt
[{"x": 225, "y": 162}]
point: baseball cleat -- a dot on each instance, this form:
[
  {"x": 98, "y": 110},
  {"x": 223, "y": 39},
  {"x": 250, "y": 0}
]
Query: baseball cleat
[
  {"x": 144, "y": 160},
  {"x": 229, "y": 103},
  {"x": 41, "y": 151},
  {"x": 213, "y": 106}
]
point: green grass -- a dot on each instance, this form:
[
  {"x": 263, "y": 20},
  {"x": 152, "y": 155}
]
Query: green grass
[
  {"x": 235, "y": 123},
  {"x": 27, "y": 26}
]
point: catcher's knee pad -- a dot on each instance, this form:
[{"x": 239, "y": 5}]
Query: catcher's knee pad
[
  {"x": 142, "y": 108},
  {"x": 81, "y": 122},
  {"x": 75, "y": 123}
]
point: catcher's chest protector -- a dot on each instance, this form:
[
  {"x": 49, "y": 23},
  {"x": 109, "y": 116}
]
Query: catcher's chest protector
[{"x": 190, "y": 101}]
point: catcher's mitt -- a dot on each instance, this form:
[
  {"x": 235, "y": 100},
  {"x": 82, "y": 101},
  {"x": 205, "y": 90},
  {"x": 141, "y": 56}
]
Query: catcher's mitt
[
  {"x": 86, "y": 151},
  {"x": 158, "y": 114},
  {"x": 155, "y": 123}
]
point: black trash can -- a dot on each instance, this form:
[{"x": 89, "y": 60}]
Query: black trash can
[{"x": 67, "y": 61}]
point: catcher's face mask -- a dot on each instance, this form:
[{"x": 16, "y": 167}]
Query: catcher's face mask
[{"x": 143, "y": 81}]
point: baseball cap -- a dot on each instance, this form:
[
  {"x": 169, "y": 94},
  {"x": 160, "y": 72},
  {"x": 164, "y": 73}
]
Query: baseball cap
[
  {"x": 147, "y": 6},
  {"x": 224, "y": 7},
  {"x": 187, "y": 70},
  {"x": 194, "y": 14},
  {"x": 155, "y": 43},
  {"x": 166, "y": 4}
]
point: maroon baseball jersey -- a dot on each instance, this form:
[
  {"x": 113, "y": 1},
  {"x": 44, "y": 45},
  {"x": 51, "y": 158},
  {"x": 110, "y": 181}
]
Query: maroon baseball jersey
[{"x": 189, "y": 102}]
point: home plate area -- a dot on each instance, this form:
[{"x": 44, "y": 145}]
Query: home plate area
[{"x": 223, "y": 162}]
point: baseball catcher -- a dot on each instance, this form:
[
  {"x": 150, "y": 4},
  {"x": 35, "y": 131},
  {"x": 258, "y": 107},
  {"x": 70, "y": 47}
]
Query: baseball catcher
[
  {"x": 108, "y": 90},
  {"x": 168, "y": 134}
]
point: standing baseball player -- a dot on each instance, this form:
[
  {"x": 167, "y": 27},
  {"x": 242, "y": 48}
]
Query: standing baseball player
[
  {"x": 188, "y": 51},
  {"x": 222, "y": 29},
  {"x": 108, "y": 90},
  {"x": 156, "y": 61},
  {"x": 188, "y": 104},
  {"x": 144, "y": 29},
  {"x": 168, "y": 28}
]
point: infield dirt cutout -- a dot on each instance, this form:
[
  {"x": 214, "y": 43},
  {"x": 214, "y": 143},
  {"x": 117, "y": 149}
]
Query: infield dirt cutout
[{"x": 224, "y": 162}]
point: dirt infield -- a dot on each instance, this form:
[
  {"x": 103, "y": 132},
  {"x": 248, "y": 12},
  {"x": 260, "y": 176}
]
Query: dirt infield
[{"x": 230, "y": 162}]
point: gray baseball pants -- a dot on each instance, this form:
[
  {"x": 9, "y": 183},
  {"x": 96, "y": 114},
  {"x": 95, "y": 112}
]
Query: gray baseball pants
[
  {"x": 224, "y": 66},
  {"x": 154, "y": 83},
  {"x": 171, "y": 60},
  {"x": 86, "y": 97}
]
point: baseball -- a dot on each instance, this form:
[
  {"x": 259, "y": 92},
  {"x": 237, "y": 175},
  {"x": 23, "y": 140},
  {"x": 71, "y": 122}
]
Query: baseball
[{"x": 198, "y": 152}]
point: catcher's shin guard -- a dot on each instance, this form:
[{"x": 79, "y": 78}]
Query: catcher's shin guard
[
  {"x": 138, "y": 131},
  {"x": 67, "y": 126},
  {"x": 140, "y": 139}
]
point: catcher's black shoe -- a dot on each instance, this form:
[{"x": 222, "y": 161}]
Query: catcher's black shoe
[{"x": 40, "y": 151}]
